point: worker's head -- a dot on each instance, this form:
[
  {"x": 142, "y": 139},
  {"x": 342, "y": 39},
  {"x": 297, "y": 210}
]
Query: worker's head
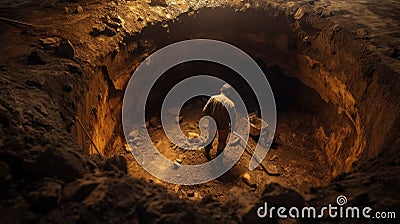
[{"x": 226, "y": 89}]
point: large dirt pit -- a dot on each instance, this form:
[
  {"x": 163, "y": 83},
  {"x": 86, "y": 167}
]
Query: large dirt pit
[
  {"x": 336, "y": 97},
  {"x": 319, "y": 131}
]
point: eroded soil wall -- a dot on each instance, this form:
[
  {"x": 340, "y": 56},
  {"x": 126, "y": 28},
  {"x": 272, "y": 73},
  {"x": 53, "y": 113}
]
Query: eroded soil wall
[{"x": 320, "y": 55}]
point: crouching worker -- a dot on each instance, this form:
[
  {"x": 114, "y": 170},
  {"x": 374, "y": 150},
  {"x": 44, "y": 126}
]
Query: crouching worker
[{"x": 219, "y": 107}]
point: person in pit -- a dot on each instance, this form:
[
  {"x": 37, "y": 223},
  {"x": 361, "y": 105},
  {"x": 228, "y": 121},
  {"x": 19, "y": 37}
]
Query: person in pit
[{"x": 219, "y": 107}]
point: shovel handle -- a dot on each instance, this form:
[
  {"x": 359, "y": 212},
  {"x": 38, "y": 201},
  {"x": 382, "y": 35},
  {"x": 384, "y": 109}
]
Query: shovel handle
[{"x": 253, "y": 151}]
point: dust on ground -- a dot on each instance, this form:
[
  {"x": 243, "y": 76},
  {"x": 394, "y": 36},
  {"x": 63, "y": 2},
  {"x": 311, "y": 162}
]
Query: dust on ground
[{"x": 294, "y": 163}]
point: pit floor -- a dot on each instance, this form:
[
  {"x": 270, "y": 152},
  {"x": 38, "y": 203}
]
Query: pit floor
[{"x": 300, "y": 166}]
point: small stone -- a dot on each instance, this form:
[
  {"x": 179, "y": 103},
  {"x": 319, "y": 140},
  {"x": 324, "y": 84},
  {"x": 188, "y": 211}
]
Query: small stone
[
  {"x": 66, "y": 49},
  {"x": 246, "y": 178},
  {"x": 79, "y": 9},
  {"x": 299, "y": 14},
  {"x": 67, "y": 10},
  {"x": 307, "y": 40},
  {"x": 162, "y": 3},
  {"x": 179, "y": 160},
  {"x": 48, "y": 41}
]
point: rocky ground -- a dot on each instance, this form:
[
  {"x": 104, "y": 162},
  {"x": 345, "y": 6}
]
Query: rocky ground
[{"x": 50, "y": 52}]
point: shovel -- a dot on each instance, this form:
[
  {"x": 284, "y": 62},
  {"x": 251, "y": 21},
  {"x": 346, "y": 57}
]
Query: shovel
[{"x": 252, "y": 153}]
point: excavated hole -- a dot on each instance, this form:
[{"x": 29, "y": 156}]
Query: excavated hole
[{"x": 306, "y": 155}]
